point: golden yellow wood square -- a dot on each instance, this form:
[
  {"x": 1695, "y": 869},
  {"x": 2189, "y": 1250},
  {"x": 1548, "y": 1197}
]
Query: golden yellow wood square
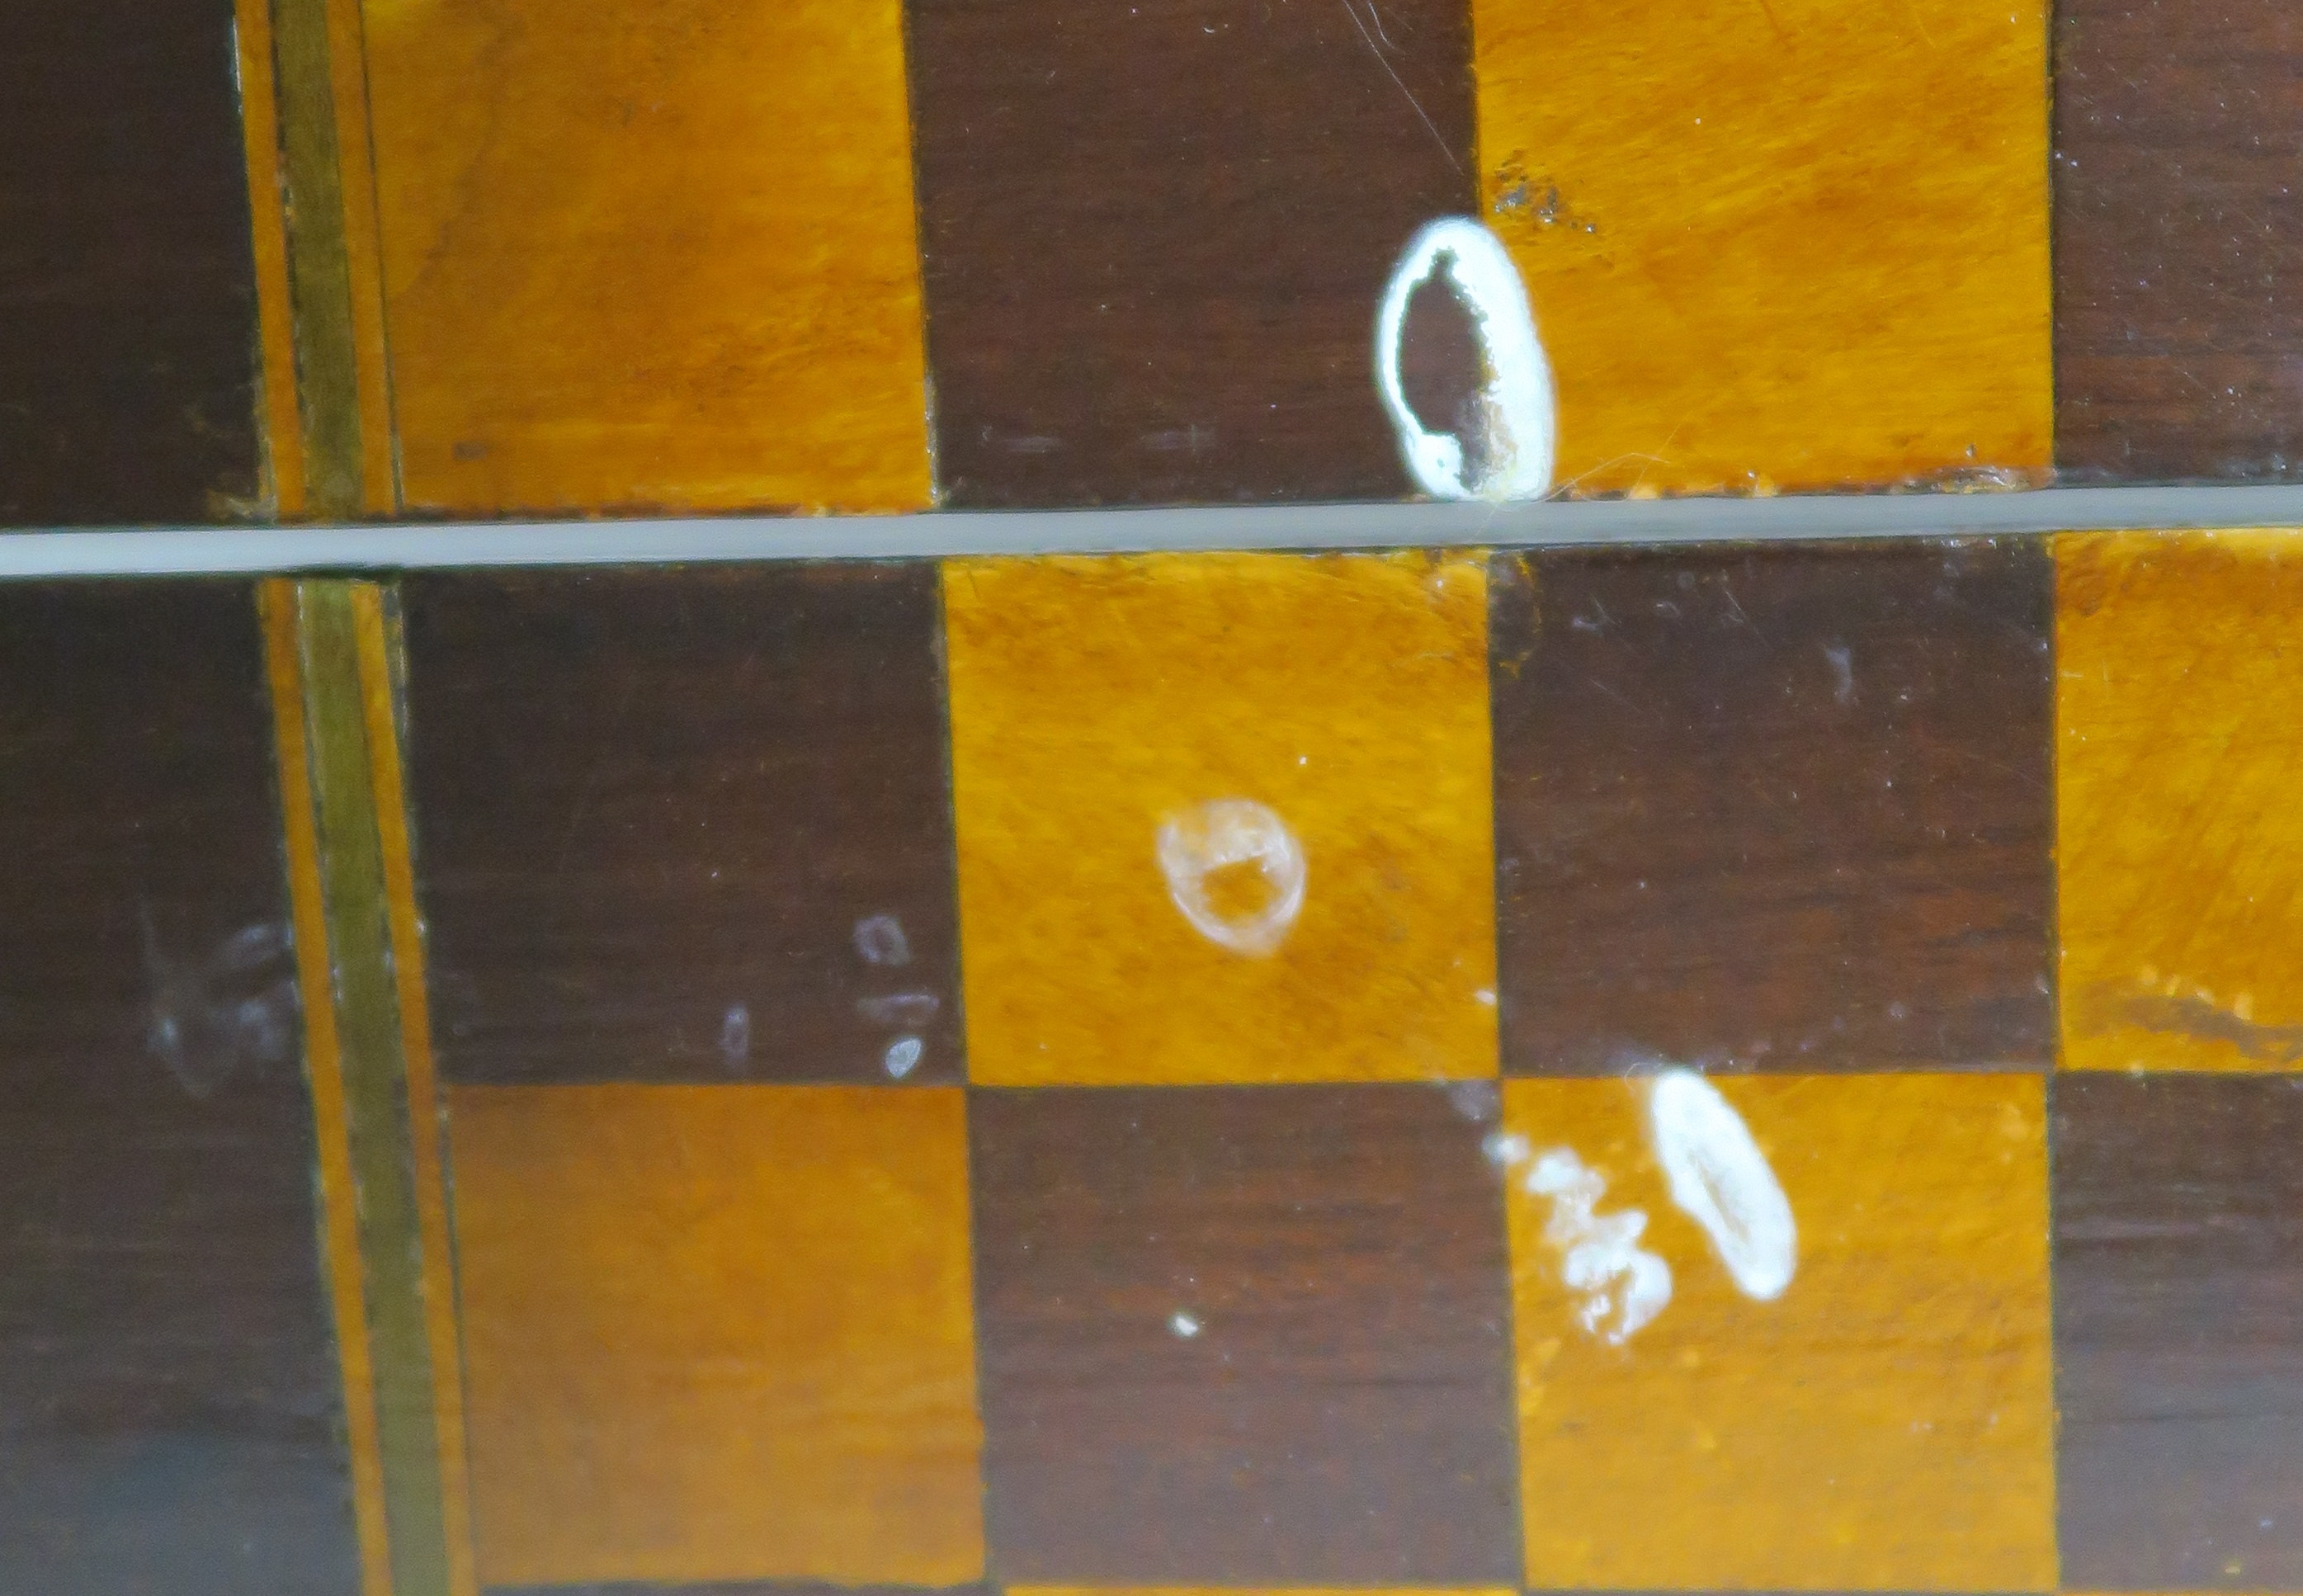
[
  {"x": 649, "y": 255},
  {"x": 1777, "y": 243},
  {"x": 718, "y": 1333},
  {"x": 1881, "y": 1420},
  {"x": 1223, "y": 817},
  {"x": 2179, "y": 800}
]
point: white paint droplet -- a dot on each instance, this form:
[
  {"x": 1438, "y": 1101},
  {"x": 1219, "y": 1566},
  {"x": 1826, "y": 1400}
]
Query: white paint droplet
[
  {"x": 1184, "y": 1326},
  {"x": 1623, "y": 1285},
  {"x": 1506, "y": 1150},
  {"x": 880, "y": 941},
  {"x": 1720, "y": 1179},
  {"x": 1222, "y": 834},
  {"x": 1486, "y": 995},
  {"x": 903, "y": 1056},
  {"x": 1516, "y": 405}
]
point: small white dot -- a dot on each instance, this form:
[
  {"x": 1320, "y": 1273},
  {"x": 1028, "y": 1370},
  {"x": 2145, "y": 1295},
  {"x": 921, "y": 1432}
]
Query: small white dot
[
  {"x": 903, "y": 1056},
  {"x": 1183, "y": 1325},
  {"x": 1486, "y": 994}
]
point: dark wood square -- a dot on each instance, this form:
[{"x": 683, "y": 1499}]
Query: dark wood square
[
  {"x": 2178, "y": 1330},
  {"x": 1154, "y": 237},
  {"x": 128, "y": 372},
  {"x": 2179, "y": 316},
  {"x": 171, "y": 1413},
  {"x": 1776, "y": 808},
  {"x": 1254, "y": 1335},
  {"x": 685, "y": 825}
]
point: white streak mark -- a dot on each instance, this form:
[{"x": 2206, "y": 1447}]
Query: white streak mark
[
  {"x": 903, "y": 1056},
  {"x": 1225, "y": 832},
  {"x": 880, "y": 941},
  {"x": 1722, "y": 1181},
  {"x": 1623, "y": 1285},
  {"x": 905, "y": 1009},
  {"x": 1183, "y": 1325},
  {"x": 1843, "y": 671},
  {"x": 736, "y": 1036},
  {"x": 1516, "y": 404}
]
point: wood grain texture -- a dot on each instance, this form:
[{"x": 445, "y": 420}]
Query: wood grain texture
[
  {"x": 1335, "y": 1404},
  {"x": 717, "y": 1333},
  {"x": 1155, "y": 236},
  {"x": 2179, "y": 320},
  {"x": 2178, "y": 1330},
  {"x": 1789, "y": 245},
  {"x": 1096, "y": 702},
  {"x": 170, "y": 1407},
  {"x": 684, "y": 825},
  {"x": 1885, "y": 1423},
  {"x": 1790, "y": 809},
  {"x": 2178, "y": 692},
  {"x": 127, "y": 288},
  {"x": 654, "y": 256}
]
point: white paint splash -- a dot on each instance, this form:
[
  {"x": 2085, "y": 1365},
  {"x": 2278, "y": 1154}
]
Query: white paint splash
[
  {"x": 1723, "y": 1182},
  {"x": 1183, "y": 1326},
  {"x": 1622, "y": 1286},
  {"x": 1220, "y": 834},
  {"x": 903, "y": 1056},
  {"x": 1515, "y": 404}
]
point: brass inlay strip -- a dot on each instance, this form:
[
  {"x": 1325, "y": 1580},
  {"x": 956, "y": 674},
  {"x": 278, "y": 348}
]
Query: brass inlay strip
[
  {"x": 363, "y": 254},
  {"x": 277, "y": 421},
  {"x": 306, "y": 40},
  {"x": 379, "y": 694},
  {"x": 324, "y": 1066},
  {"x": 393, "y": 1168}
]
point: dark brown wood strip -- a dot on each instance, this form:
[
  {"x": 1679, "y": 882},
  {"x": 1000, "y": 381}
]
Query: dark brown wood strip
[
  {"x": 685, "y": 825},
  {"x": 1155, "y": 236},
  {"x": 2179, "y": 242},
  {"x": 2178, "y": 1330},
  {"x": 127, "y": 282},
  {"x": 1776, "y": 809},
  {"x": 1248, "y": 1335},
  {"x": 170, "y": 1407}
]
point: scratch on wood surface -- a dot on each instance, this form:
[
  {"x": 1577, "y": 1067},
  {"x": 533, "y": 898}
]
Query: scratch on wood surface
[{"x": 1376, "y": 50}]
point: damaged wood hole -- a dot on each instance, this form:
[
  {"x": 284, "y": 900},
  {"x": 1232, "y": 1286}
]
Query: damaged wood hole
[{"x": 1443, "y": 365}]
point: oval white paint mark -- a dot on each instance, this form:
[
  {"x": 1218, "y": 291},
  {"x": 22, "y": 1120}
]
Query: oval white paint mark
[
  {"x": 880, "y": 941},
  {"x": 1223, "y": 835},
  {"x": 1183, "y": 1325},
  {"x": 1722, "y": 1181},
  {"x": 903, "y": 1056},
  {"x": 1623, "y": 1285},
  {"x": 1516, "y": 403}
]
